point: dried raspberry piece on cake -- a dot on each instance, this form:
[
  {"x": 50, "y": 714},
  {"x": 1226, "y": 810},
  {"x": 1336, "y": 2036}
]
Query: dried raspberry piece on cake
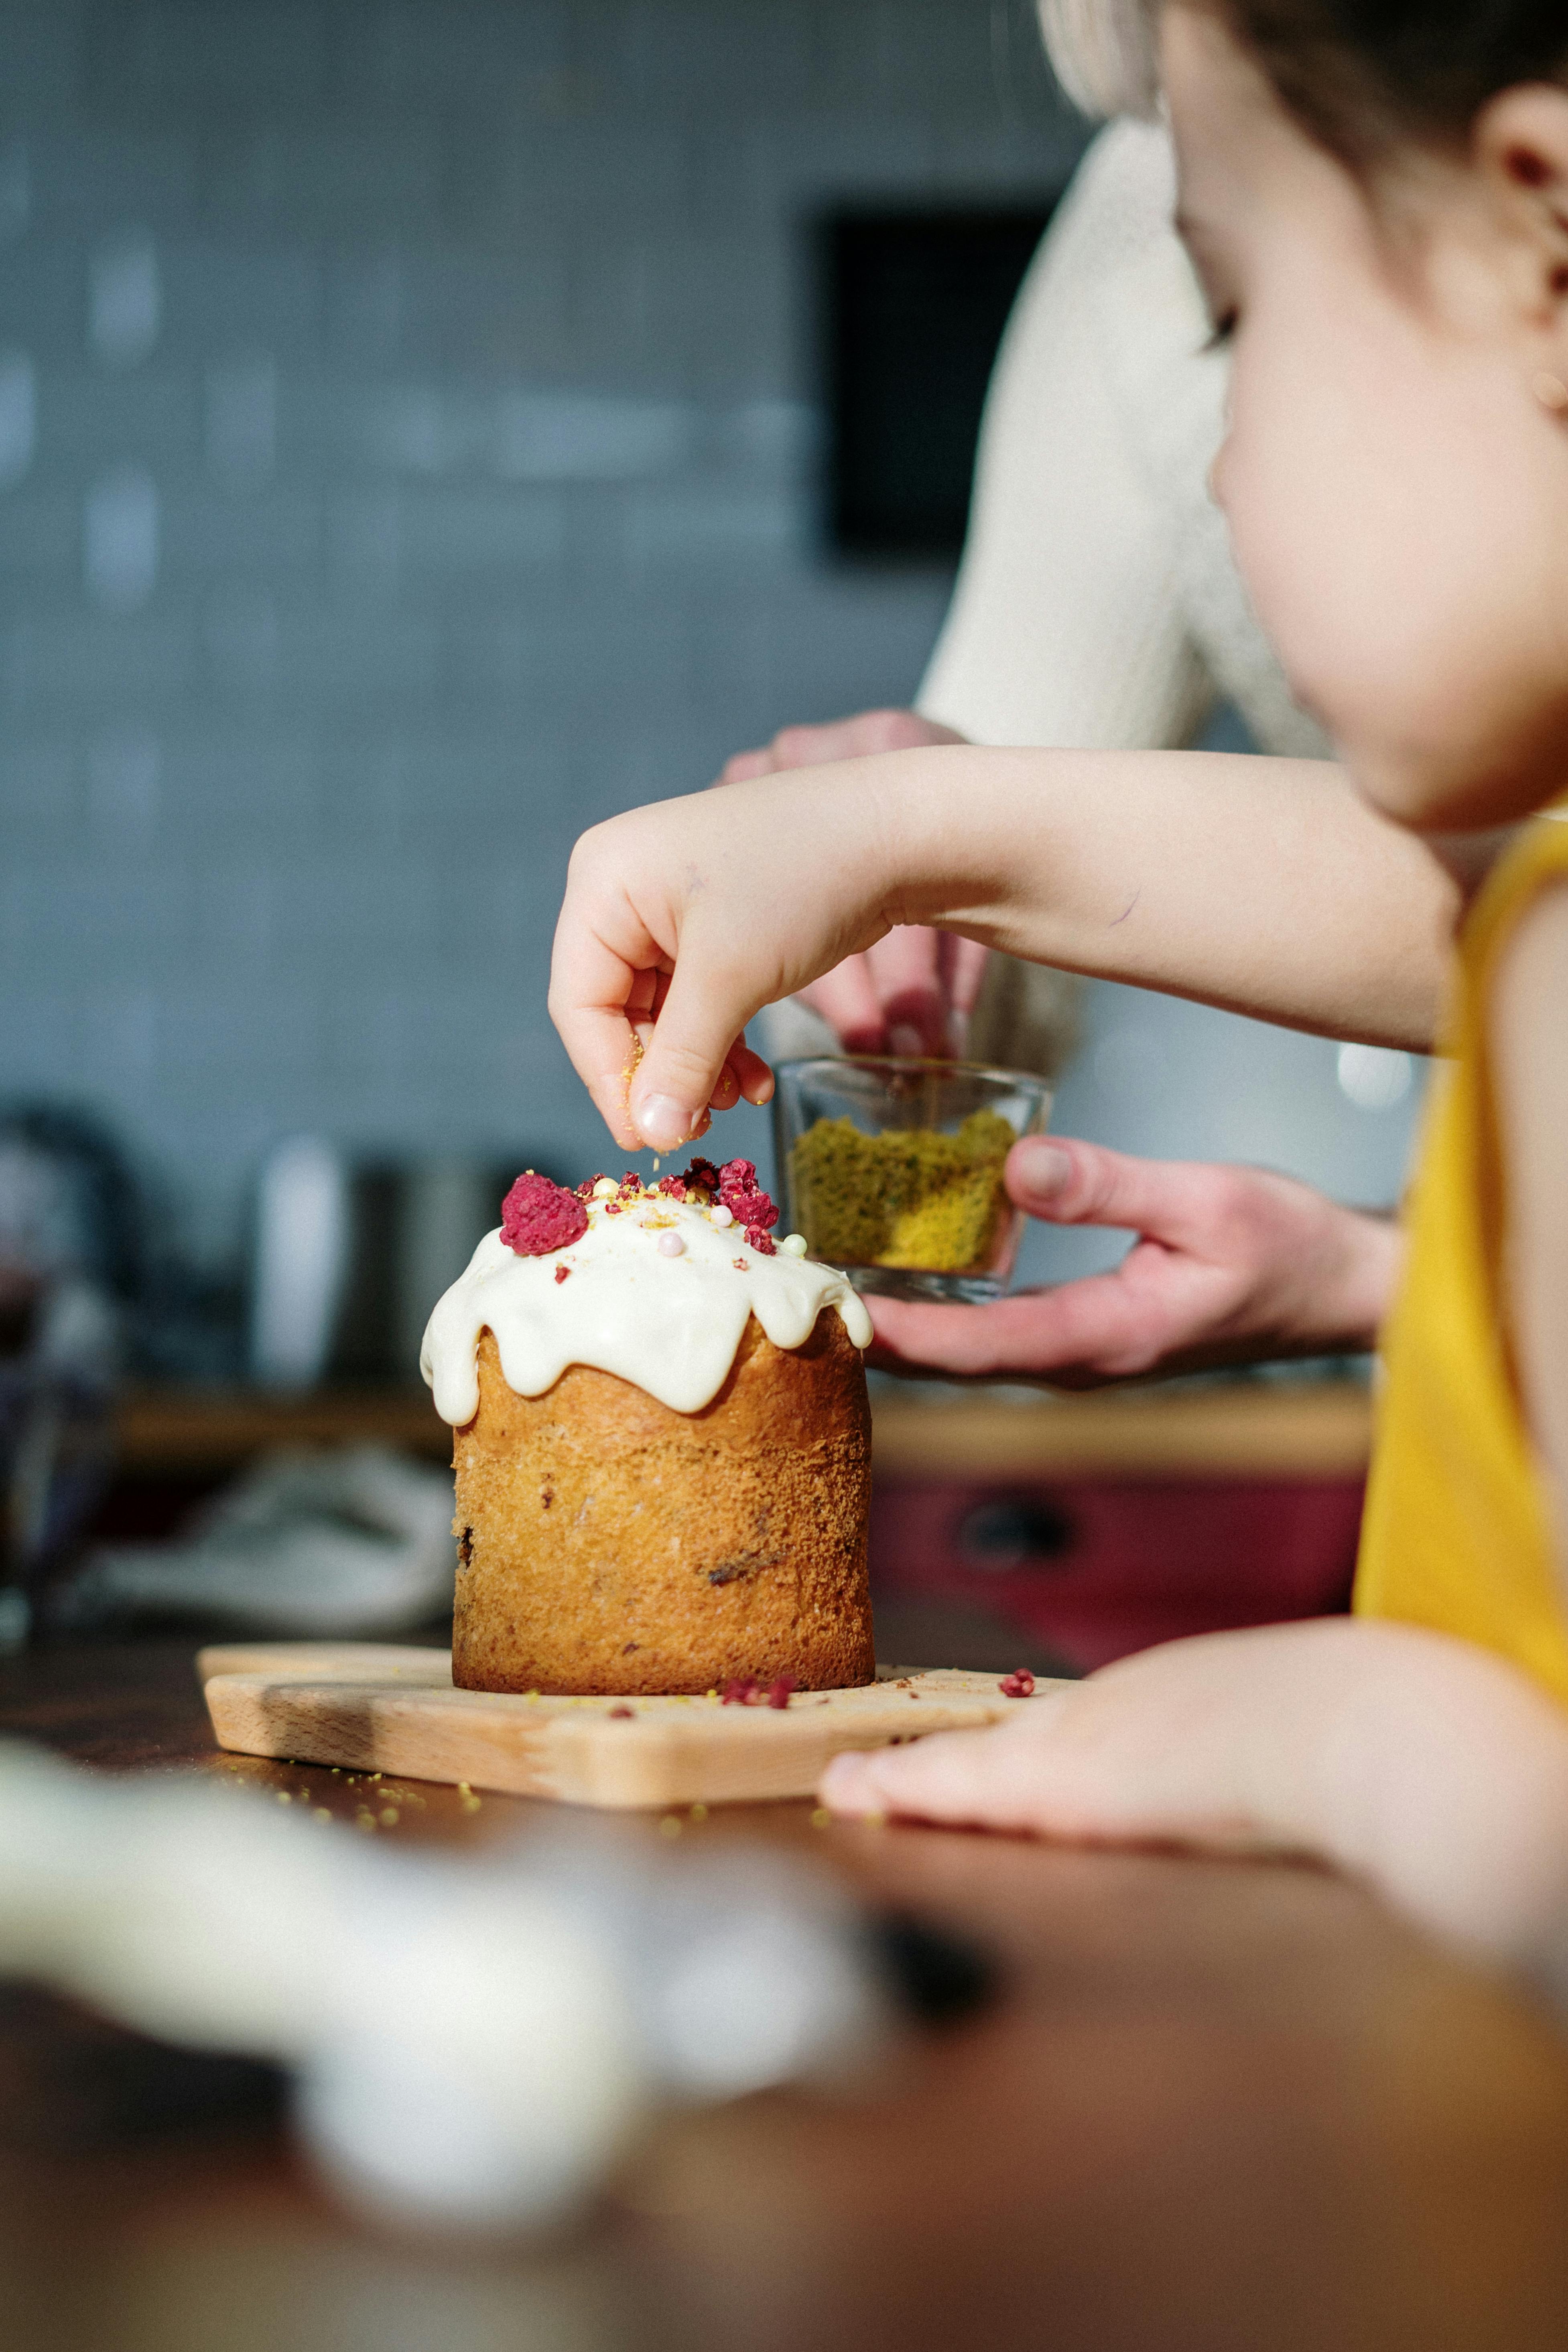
[
  {"x": 744, "y": 1197},
  {"x": 537, "y": 1216}
]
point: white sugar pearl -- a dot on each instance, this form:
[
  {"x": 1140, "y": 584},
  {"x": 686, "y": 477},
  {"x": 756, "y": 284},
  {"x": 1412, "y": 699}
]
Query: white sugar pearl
[
  {"x": 671, "y": 1245},
  {"x": 794, "y": 1245},
  {"x": 605, "y": 1189},
  {"x": 721, "y": 1215}
]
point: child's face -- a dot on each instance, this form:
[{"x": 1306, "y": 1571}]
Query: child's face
[{"x": 1397, "y": 494}]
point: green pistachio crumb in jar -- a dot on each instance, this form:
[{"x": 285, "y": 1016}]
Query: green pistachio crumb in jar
[{"x": 907, "y": 1197}]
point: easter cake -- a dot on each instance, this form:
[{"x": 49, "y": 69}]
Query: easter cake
[{"x": 662, "y": 1446}]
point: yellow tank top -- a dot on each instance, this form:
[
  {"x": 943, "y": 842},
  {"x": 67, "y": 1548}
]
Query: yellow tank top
[{"x": 1457, "y": 1533}]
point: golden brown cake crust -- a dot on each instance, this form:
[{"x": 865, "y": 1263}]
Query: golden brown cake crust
[{"x": 607, "y": 1543}]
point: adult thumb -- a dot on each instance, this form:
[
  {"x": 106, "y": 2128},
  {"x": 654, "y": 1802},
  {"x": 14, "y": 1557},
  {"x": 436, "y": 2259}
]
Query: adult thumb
[{"x": 1067, "y": 1182}]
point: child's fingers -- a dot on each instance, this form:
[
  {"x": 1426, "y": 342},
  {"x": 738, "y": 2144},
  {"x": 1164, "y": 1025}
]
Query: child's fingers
[
  {"x": 601, "y": 1046},
  {"x": 745, "y": 1078},
  {"x": 754, "y": 1075},
  {"x": 955, "y": 1776},
  {"x": 604, "y": 978},
  {"x": 1162, "y": 1747},
  {"x": 693, "y": 1039}
]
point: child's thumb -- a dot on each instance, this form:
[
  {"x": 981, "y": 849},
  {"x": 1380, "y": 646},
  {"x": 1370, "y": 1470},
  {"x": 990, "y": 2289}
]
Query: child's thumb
[{"x": 680, "y": 1066}]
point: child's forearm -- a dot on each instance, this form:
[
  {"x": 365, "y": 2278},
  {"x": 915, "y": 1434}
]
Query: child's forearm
[{"x": 1264, "y": 885}]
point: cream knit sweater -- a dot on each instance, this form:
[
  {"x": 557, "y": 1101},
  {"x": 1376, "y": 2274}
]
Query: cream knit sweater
[{"x": 1097, "y": 606}]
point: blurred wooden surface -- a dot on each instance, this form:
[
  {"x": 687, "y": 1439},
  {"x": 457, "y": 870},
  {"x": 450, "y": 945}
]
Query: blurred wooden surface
[
  {"x": 1248, "y": 1429},
  {"x": 1219, "y": 2107},
  {"x": 1254, "y": 1429}
]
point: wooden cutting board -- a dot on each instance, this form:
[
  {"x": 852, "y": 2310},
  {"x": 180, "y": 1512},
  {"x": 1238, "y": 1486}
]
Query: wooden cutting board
[{"x": 380, "y": 1708}]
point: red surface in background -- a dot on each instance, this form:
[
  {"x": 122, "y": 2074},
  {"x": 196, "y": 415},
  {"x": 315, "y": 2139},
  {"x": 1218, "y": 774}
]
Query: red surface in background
[{"x": 1141, "y": 1563}]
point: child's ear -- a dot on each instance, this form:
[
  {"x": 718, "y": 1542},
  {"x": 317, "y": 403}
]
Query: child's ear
[{"x": 1520, "y": 149}]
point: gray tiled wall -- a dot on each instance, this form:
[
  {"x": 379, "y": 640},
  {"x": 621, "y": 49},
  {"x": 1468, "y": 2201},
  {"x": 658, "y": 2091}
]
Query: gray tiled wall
[{"x": 407, "y": 438}]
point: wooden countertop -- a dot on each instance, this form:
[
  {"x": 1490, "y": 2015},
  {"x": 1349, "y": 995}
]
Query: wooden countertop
[
  {"x": 1216, "y": 2107},
  {"x": 1243, "y": 1429}
]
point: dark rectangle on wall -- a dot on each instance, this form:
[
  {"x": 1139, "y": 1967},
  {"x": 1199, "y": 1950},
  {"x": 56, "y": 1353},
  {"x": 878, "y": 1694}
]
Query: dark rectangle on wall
[{"x": 914, "y": 306}]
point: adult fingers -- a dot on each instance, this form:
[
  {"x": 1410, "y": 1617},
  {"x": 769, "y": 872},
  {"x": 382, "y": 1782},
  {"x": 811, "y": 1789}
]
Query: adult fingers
[
  {"x": 845, "y": 998},
  {"x": 962, "y": 964},
  {"x": 745, "y": 766},
  {"x": 793, "y": 747},
  {"x": 1067, "y": 1182},
  {"x": 905, "y": 972},
  {"x": 866, "y": 732},
  {"x": 1098, "y": 1328}
]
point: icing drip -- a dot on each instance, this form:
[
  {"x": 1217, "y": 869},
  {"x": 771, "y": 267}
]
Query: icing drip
[{"x": 669, "y": 1324}]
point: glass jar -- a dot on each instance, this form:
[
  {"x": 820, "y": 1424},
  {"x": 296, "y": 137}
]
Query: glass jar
[{"x": 892, "y": 1169}]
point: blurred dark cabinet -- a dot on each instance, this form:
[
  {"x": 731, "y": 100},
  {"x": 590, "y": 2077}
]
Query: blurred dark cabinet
[
  {"x": 914, "y": 304},
  {"x": 1089, "y": 1569}
]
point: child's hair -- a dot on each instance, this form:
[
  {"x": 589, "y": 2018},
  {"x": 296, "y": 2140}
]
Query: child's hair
[{"x": 1362, "y": 77}]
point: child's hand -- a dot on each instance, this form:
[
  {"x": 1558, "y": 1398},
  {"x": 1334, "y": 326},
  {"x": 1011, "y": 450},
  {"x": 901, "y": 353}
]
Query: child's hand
[
  {"x": 1430, "y": 1767},
  {"x": 682, "y": 919},
  {"x": 914, "y": 991},
  {"x": 1231, "y": 1265}
]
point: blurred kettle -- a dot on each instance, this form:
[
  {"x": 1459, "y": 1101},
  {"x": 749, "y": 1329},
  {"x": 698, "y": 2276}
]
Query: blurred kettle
[
  {"x": 302, "y": 1261},
  {"x": 351, "y": 1256}
]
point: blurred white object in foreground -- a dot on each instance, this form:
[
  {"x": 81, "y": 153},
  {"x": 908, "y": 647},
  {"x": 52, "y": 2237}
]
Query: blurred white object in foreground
[{"x": 473, "y": 2041}]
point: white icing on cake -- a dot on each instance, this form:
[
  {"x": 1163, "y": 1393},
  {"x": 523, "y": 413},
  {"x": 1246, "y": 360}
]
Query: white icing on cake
[{"x": 669, "y": 1324}]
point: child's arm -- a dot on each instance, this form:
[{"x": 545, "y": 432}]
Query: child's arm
[
  {"x": 1264, "y": 885},
  {"x": 1231, "y": 1265},
  {"x": 922, "y": 982},
  {"x": 1427, "y": 1767}
]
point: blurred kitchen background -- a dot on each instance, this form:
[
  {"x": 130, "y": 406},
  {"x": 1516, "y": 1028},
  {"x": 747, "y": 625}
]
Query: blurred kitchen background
[{"x": 422, "y": 432}]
